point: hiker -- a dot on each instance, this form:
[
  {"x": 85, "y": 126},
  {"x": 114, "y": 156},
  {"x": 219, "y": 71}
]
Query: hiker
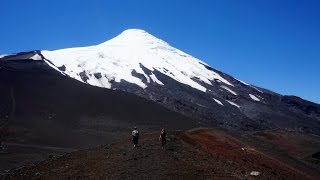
[
  {"x": 163, "y": 138},
  {"x": 135, "y": 137}
]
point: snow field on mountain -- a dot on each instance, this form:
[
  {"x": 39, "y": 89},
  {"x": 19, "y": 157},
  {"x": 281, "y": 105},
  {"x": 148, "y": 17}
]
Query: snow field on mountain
[{"x": 117, "y": 58}]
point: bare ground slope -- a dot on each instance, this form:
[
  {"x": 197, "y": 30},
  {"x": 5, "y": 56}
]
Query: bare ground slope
[{"x": 194, "y": 154}]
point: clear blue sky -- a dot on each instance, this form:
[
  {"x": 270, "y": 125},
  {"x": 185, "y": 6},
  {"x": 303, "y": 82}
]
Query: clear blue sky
[{"x": 269, "y": 43}]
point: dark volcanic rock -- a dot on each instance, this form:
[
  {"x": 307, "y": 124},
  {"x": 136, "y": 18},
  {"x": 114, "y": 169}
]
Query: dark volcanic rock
[
  {"x": 97, "y": 75},
  {"x": 62, "y": 68},
  {"x": 83, "y": 76}
]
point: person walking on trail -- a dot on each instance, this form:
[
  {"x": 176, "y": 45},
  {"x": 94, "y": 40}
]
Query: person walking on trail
[
  {"x": 163, "y": 138},
  {"x": 135, "y": 137}
]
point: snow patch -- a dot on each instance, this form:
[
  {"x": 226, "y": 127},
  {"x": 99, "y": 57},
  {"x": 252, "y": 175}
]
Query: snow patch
[
  {"x": 3, "y": 55},
  {"x": 228, "y": 89},
  {"x": 121, "y": 55},
  {"x": 155, "y": 79},
  {"x": 36, "y": 57},
  {"x": 260, "y": 97},
  {"x": 254, "y": 97},
  {"x": 200, "y": 105},
  {"x": 243, "y": 82},
  {"x": 234, "y": 104},
  {"x": 53, "y": 66},
  {"x": 257, "y": 89},
  {"x": 217, "y": 101}
]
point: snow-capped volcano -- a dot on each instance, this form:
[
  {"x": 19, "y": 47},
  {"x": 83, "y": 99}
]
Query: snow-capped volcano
[
  {"x": 141, "y": 64},
  {"x": 133, "y": 49}
]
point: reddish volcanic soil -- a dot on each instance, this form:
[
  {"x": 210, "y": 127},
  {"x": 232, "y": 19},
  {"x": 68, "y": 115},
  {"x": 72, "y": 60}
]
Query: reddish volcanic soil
[
  {"x": 243, "y": 154},
  {"x": 294, "y": 143},
  {"x": 194, "y": 154}
]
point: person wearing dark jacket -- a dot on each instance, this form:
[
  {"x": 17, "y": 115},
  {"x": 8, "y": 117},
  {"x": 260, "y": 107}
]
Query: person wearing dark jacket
[
  {"x": 135, "y": 137},
  {"x": 163, "y": 138}
]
